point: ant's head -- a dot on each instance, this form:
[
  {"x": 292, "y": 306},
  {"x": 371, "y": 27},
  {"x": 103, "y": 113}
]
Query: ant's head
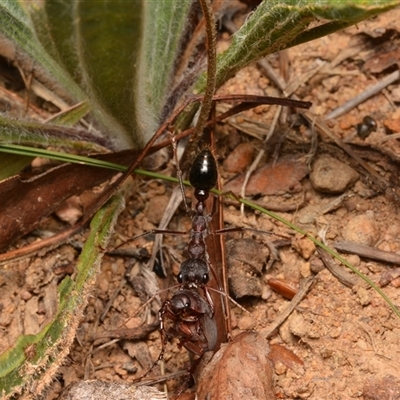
[
  {"x": 188, "y": 303},
  {"x": 180, "y": 302},
  {"x": 194, "y": 271}
]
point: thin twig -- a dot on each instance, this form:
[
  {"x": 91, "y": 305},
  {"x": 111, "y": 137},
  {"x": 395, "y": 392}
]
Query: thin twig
[
  {"x": 371, "y": 91},
  {"x": 162, "y": 378},
  {"x": 368, "y": 252},
  {"x": 337, "y": 271},
  {"x": 173, "y": 204},
  {"x": 393, "y": 136},
  {"x": 287, "y": 90},
  {"x": 303, "y": 290},
  {"x": 126, "y": 333},
  {"x": 46, "y": 245},
  {"x": 366, "y": 329}
]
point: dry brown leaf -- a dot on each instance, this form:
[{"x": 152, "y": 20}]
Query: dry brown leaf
[
  {"x": 271, "y": 179},
  {"x": 23, "y": 203},
  {"x": 280, "y": 354},
  {"x": 239, "y": 370}
]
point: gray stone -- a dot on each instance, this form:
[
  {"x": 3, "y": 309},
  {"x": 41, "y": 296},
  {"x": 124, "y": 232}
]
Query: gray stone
[{"x": 330, "y": 175}]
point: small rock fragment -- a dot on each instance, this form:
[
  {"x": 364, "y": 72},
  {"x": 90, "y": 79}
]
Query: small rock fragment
[
  {"x": 70, "y": 211},
  {"x": 246, "y": 322},
  {"x": 361, "y": 229},
  {"x": 298, "y": 325},
  {"x": 364, "y": 296},
  {"x": 330, "y": 175},
  {"x": 304, "y": 246},
  {"x": 392, "y": 121}
]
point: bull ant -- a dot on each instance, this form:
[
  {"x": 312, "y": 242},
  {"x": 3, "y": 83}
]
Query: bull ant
[{"x": 192, "y": 314}]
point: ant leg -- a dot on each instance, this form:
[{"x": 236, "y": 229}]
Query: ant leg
[
  {"x": 153, "y": 231},
  {"x": 234, "y": 302},
  {"x": 164, "y": 338},
  {"x": 171, "y": 207},
  {"x": 179, "y": 174},
  {"x": 144, "y": 305},
  {"x": 209, "y": 299}
]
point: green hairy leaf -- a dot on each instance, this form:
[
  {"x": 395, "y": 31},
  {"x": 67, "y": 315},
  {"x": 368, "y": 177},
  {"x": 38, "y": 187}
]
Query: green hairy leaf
[
  {"x": 278, "y": 25},
  {"x": 119, "y": 56}
]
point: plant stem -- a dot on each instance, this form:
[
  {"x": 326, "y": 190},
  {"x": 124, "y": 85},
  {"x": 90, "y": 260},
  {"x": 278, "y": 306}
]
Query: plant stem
[{"x": 211, "y": 34}]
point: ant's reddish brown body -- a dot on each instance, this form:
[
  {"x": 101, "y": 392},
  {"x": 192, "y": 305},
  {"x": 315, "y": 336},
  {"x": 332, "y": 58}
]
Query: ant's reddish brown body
[{"x": 192, "y": 315}]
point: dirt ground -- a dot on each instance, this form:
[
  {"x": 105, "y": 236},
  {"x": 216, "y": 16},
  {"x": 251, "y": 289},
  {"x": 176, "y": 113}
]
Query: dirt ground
[{"x": 342, "y": 341}]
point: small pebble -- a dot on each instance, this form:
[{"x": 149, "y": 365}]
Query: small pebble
[
  {"x": 120, "y": 371},
  {"x": 392, "y": 124},
  {"x": 330, "y": 175},
  {"x": 103, "y": 282},
  {"x": 298, "y": 325},
  {"x": 305, "y": 269},
  {"x": 364, "y": 296},
  {"x": 316, "y": 265},
  {"x": 280, "y": 368},
  {"x": 335, "y": 332},
  {"x": 361, "y": 229},
  {"x": 130, "y": 367},
  {"x": 70, "y": 211},
  {"x": 304, "y": 246},
  {"x": 25, "y": 295},
  {"x": 246, "y": 323},
  {"x": 396, "y": 282},
  {"x": 266, "y": 292}
]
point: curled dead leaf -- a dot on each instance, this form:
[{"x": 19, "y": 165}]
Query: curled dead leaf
[
  {"x": 24, "y": 202},
  {"x": 284, "y": 176},
  {"x": 239, "y": 370}
]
